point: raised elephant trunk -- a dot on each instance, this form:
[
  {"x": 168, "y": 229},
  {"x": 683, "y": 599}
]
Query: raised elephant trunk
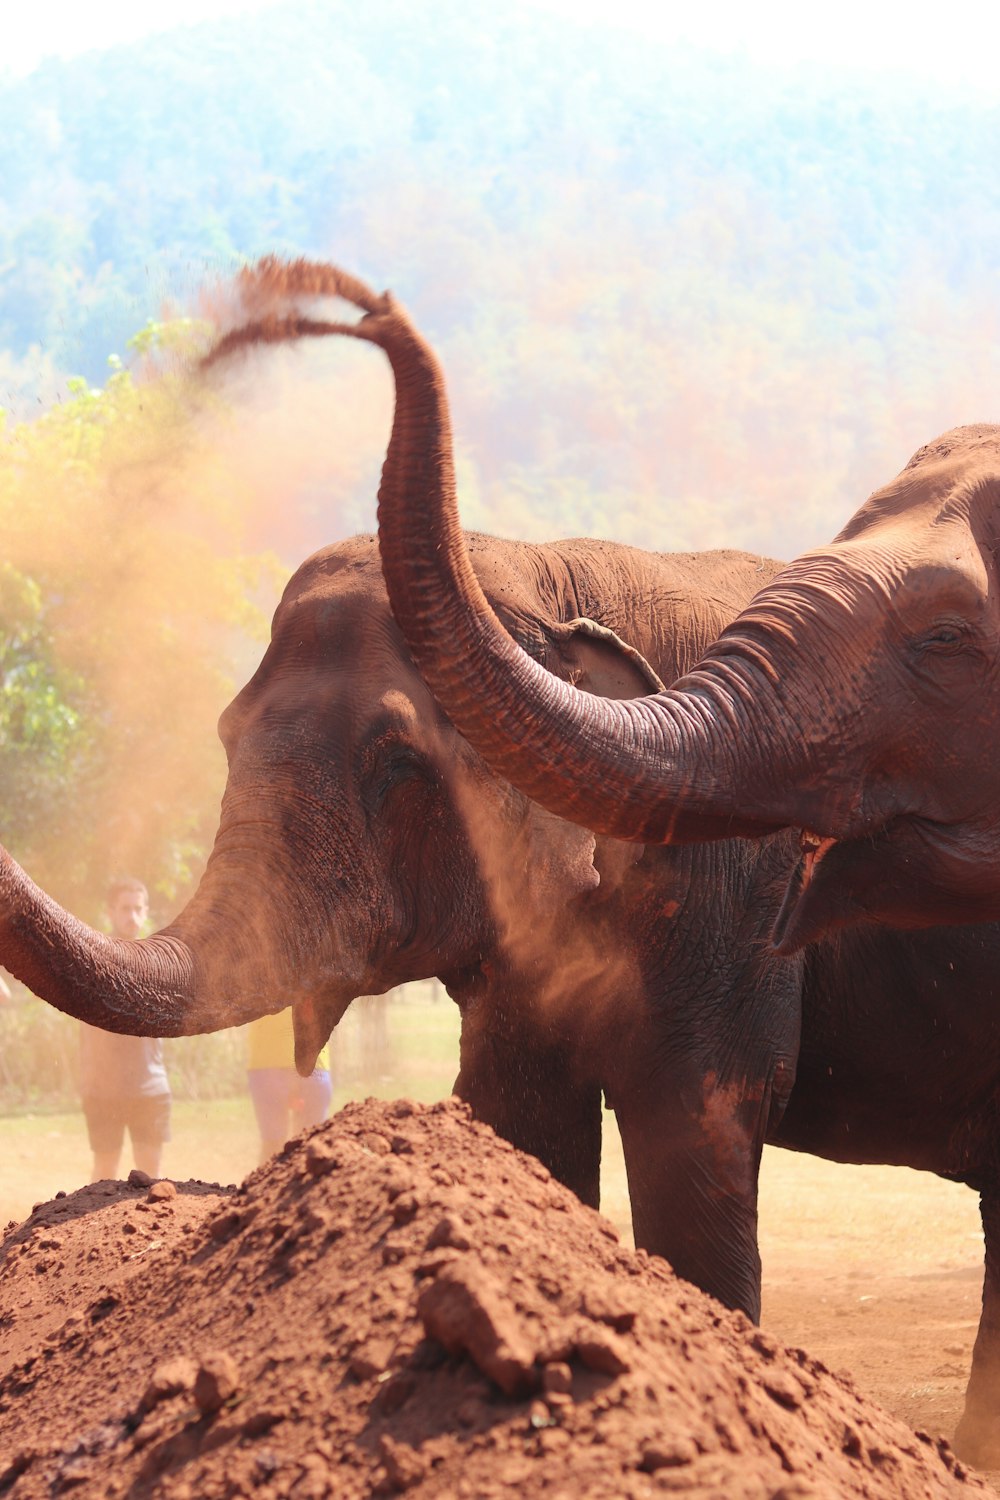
[{"x": 666, "y": 768}]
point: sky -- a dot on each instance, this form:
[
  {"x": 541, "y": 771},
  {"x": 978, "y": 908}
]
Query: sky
[{"x": 954, "y": 47}]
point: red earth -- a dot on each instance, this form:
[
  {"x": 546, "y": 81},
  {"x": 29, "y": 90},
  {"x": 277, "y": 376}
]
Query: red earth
[{"x": 401, "y": 1302}]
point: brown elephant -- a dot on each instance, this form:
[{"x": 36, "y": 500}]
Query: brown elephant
[{"x": 900, "y": 1052}]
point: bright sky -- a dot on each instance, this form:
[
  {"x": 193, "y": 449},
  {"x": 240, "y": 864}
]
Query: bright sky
[
  {"x": 29, "y": 33},
  {"x": 957, "y": 44}
]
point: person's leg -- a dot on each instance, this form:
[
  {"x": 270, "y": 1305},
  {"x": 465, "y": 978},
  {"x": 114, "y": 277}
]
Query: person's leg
[
  {"x": 270, "y": 1090},
  {"x": 316, "y": 1094},
  {"x": 149, "y": 1128},
  {"x": 146, "y": 1155},
  {"x": 106, "y": 1133},
  {"x": 105, "y": 1166}
]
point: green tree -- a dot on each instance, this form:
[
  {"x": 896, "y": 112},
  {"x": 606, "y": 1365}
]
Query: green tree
[{"x": 44, "y": 724}]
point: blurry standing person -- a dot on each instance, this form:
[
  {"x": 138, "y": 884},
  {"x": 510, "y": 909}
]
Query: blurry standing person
[
  {"x": 283, "y": 1102},
  {"x": 123, "y": 1081}
]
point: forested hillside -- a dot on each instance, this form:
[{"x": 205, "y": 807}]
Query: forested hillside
[
  {"x": 680, "y": 301},
  {"x": 653, "y": 276}
]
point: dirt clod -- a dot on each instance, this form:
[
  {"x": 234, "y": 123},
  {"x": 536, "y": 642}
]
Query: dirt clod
[
  {"x": 668, "y": 1454},
  {"x": 465, "y": 1312},
  {"x": 320, "y": 1159},
  {"x": 557, "y": 1379},
  {"x": 216, "y": 1382},
  {"x": 450, "y": 1232},
  {"x": 175, "y": 1377}
]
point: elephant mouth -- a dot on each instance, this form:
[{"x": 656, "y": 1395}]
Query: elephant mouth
[
  {"x": 912, "y": 872},
  {"x": 314, "y": 1016}
]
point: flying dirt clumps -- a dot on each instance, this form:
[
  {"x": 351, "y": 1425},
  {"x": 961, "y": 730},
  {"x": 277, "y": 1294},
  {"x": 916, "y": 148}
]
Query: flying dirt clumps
[{"x": 400, "y": 1302}]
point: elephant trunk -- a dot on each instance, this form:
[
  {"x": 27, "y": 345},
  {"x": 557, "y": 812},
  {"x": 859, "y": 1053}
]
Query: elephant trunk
[
  {"x": 667, "y": 768},
  {"x": 188, "y": 978},
  {"x": 680, "y": 766}
]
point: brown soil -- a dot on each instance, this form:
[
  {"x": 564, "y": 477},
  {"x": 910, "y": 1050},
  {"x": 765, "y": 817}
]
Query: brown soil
[
  {"x": 878, "y": 1270},
  {"x": 400, "y": 1301}
]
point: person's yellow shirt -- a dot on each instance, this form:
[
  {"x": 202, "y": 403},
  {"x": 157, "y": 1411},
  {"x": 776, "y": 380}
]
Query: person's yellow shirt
[{"x": 271, "y": 1043}]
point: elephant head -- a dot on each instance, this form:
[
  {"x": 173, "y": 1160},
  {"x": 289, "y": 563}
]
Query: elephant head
[{"x": 855, "y": 698}]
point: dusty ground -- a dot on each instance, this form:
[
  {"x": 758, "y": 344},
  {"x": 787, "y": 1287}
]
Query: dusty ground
[
  {"x": 403, "y": 1303},
  {"x": 877, "y": 1270}
]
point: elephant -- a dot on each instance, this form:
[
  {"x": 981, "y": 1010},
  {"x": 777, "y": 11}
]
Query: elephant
[
  {"x": 899, "y": 1063},
  {"x": 898, "y": 1058}
]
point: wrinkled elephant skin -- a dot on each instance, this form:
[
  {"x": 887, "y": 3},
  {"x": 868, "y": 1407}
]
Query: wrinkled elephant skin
[
  {"x": 856, "y": 698},
  {"x": 356, "y": 820}
]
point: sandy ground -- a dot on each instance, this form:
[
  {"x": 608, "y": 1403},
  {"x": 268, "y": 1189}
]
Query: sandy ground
[
  {"x": 878, "y": 1270},
  {"x": 875, "y": 1270}
]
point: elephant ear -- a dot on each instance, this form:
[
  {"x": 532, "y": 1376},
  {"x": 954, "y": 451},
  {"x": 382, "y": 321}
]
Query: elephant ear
[{"x": 595, "y": 658}]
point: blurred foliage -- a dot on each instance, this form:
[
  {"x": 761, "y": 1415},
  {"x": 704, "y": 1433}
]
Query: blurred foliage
[
  {"x": 213, "y": 1066},
  {"x": 124, "y": 602},
  {"x": 44, "y": 731},
  {"x": 38, "y": 1052},
  {"x": 39, "y": 1048}
]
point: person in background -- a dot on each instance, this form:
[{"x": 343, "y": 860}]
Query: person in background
[
  {"x": 123, "y": 1081},
  {"x": 283, "y": 1102}
]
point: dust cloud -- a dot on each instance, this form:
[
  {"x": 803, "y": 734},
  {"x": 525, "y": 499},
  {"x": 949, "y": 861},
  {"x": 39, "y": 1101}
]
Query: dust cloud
[
  {"x": 160, "y": 518},
  {"x": 539, "y": 874},
  {"x": 533, "y": 866}
]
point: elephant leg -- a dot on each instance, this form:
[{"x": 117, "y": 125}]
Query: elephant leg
[
  {"x": 977, "y": 1438},
  {"x": 692, "y": 1179},
  {"x": 528, "y": 1090}
]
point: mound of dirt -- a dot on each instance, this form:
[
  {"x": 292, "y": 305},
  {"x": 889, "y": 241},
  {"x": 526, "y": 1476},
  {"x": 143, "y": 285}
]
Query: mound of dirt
[
  {"x": 77, "y": 1249},
  {"x": 402, "y": 1302}
]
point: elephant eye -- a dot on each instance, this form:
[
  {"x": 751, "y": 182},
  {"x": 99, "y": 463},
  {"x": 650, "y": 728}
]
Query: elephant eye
[
  {"x": 388, "y": 769},
  {"x": 944, "y": 638}
]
